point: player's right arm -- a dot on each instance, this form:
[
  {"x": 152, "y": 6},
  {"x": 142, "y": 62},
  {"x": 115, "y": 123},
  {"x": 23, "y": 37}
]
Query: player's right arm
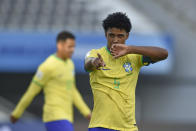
[
  {"x": 38, "y": 82},
  {"x": 93, "y": 61}
]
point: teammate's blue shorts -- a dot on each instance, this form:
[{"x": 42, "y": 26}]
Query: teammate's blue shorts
[
  {"x": 100, "y": 129},
  {"x": 59, "y": 125}
]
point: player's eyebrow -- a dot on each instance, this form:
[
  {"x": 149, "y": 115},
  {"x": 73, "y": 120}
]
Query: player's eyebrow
[
  {"x": 110, "y": 33},
  {"x": 116, "y": 34},
  {"x": 121, "y": 34}
]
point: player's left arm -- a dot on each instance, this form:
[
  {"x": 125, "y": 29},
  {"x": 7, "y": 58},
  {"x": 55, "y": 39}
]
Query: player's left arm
[
  {"x": 155, "y": 54},
  {"x": 80, "y": 104}
]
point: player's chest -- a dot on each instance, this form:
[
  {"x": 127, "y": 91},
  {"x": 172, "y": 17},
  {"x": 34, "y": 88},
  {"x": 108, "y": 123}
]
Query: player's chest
[
  {"x": 119, "y": 67},
  {"x": 63, "y": 74}
]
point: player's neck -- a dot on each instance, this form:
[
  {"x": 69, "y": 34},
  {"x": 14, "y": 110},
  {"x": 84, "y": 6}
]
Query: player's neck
[{"x": 60, "y": 56}]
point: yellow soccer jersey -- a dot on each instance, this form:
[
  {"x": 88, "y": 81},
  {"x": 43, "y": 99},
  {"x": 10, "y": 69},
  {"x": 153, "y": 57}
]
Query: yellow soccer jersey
[
  {"x": 56, "y": 78},
  {"x": 113, "y": 88}
]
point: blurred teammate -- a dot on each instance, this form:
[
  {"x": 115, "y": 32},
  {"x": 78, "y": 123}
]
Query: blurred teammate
[
  {"x": 114, "y": 71},
  {"x": 56, "y": 77}
]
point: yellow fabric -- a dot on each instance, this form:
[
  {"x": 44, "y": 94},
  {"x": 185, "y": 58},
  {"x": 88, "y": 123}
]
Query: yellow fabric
[
  {"x": 31, "y": 92},
  {"x": 113, "y": 89},
  {"x": 56, "y": 78}
]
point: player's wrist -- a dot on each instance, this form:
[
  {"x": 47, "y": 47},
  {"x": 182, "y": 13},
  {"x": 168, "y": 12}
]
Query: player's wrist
[
  {"x": 88, "y": 117},
  {"x": 13, "y": 119},
  {"x": 130, "y": 50}
]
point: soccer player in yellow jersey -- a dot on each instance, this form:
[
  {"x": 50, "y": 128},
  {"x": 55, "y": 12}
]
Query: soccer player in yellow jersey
[
  {"x": 114, "y": 71},
  {"x": 55, "y": 76}
]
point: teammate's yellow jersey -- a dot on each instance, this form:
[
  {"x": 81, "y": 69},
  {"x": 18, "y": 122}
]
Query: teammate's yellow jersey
[
  {"x": 56, "y": 78},
  {"x": 113, "y": 88}
]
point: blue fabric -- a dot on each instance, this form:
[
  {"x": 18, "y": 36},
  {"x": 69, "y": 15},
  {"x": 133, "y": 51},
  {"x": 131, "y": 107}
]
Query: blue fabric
[
  {"x": 100, "y": 129},
  {"x": 60, "y": 125}
]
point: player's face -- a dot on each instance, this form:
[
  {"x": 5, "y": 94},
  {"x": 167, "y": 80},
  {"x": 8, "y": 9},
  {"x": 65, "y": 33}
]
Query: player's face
[
  {"x": 116, "y": 36},
  {"x": 66, "y": 48}
]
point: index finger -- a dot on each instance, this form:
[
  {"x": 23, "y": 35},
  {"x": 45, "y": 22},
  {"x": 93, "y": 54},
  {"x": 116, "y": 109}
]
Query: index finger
[{"x": 99, "y": 56}]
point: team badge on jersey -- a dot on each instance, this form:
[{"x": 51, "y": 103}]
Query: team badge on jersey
[{"x": 128, "y": 68}]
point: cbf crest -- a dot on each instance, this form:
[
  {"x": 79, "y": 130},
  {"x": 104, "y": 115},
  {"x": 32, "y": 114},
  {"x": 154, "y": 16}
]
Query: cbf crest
[{"x": 128, "y": 68}]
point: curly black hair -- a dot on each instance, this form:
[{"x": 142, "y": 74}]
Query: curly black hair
[{"x": 118, "y": 20}]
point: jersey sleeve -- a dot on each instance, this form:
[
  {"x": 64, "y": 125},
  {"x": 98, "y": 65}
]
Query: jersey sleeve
[
  {"x": 92, "y": 53},
  {"x": 42, "y": 76},
  {"x": 27, "y": 98},
  {"x": 79, "y": 103},
  {"x": 143, "y": 60}
]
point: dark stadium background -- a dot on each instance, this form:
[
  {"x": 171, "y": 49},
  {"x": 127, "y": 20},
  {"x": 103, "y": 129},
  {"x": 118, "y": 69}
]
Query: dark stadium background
[{"x": 165, "y": 91}]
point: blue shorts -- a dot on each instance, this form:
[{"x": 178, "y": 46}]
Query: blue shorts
[
  {"x": 100, "y": 129},
  {"x": 59, "y": 125}
]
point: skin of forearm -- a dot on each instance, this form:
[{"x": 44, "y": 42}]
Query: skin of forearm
[{"x": 155, "y": 53}]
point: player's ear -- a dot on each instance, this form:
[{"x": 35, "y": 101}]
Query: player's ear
[{"x": 58, "y": 45}]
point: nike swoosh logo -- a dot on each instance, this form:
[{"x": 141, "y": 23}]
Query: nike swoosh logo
[{"x": 103, "y": 69}]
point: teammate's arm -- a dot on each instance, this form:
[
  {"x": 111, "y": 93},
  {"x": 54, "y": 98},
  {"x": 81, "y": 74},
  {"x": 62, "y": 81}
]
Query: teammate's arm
[
  {"x": 27, "y": 98},
  {"x": 37, "y": 84},
  {"x": 80, "y": 104},
  {"x": 92, "y": 63},
  {"x": 154, "y": 53}
]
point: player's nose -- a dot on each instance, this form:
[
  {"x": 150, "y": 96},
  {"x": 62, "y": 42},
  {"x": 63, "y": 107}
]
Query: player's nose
[{"x": 115, "y": 40}]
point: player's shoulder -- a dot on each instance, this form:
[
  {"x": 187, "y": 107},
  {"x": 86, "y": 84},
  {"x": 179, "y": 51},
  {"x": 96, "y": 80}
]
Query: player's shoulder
[
  {"x": 98, "y": 49},
  {"x": 70, "y": 62},
  {"x": 135, "y": 58},
  {"x": 134, "y": 55},
  {"x": 93, "y": 52},
  {"x": 47, "y": 64}
]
